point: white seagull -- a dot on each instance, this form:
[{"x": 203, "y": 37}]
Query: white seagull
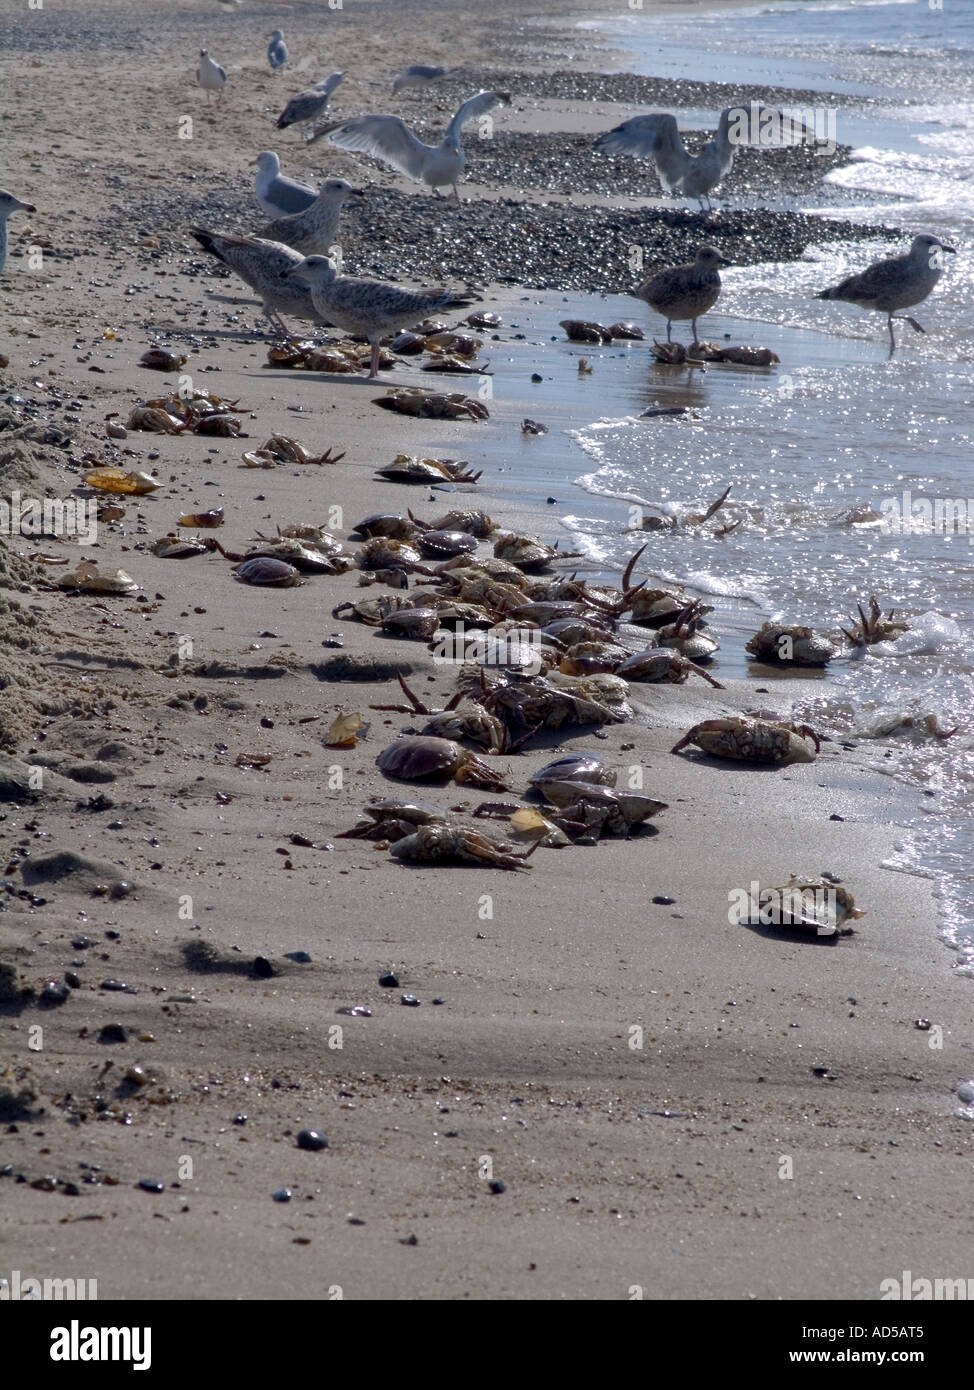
[
  {"x": 388, "y": 138},
  {"x": 278, "y": 195},
  {"x": 417, "y": 76},
  {"x": 277, "y": 54},
  {"x": 309, "y": 105},
  {"x": 368, "y": 308},
  {"x": 209, "y": 74},
  {"x": 657, "y": 138}
]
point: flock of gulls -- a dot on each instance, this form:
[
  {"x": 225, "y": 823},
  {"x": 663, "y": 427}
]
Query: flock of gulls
[{"x": 293, "y": 262}]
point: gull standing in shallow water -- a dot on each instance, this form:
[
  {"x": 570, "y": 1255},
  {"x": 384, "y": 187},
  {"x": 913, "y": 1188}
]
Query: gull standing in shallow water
[
  {"x": 262, "y": 265},
  {"x": 314, "y": 231},
  {"x": 307, "y": 106},
  {"x": 898, "y": 283},
  {"x": 278, "y": 195},
  {"x": 388, "y": 138},
  {"x": 210, "y": 75},
  {"x": 417, "y": 76},
  {"x": 277, "y": 54},
  {"x": 368, "y": 308},
  {"x": 686, "y": 291},
  {"x": 656, "y": 137},
  {"x": 9, "y": 204}
]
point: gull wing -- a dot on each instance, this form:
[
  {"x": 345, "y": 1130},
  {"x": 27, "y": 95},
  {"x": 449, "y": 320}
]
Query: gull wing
[
  {"x": 387, "y": 138},
  {"x": 475, "y": 106},
  {"x": 655, "y": 137}
]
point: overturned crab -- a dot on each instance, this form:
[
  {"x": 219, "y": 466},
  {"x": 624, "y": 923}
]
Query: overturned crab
[
  {"x": 433, "y": 843},
  {"x": 658, "y": 664},
  {"x": 88, "y": 579},
  {"x": 282, "y": 449},
  {"x": 875, "y": 626},
  {"x": 419, "y": 758},
  {"x": 816, "y": 905},
  {"x": 391, "y": 524},
  {"x": 527, "y": 552},
  {"x": 691, "y": 519},
  {"x": 433, "y": 405},
  {"x": 800, "y": 646},
  {"x": 573, "y": 768},
  {"x": 459, "y": 719},
  {"x": 753, "y": 740},
  {"x": 388, "y": 818},
  {"x": 684, "y": 634},
  {"x": 584, "y": 331},
  {"x": 470, "y": 519},
  {"x": 587, "y": 809},
  {"x": 407, "y": 469},
  {"x": 173, "y": 547}
]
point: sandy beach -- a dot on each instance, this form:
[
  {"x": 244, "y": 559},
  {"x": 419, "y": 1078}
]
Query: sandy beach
[{"x": 677, "y": 1107}]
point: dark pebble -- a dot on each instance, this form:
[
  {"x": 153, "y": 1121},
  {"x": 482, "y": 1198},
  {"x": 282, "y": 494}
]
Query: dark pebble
[
  {"x": 497, "y": 1187},
  {"x": 299, "y": 957},
  {"x": 410, "y": 1000},
  {"x": 835, "y": 817},
  {"x": 54, "y": 992},
  {"x": 281, "y": 1194},
  {"x": 438, "y": 1000},
  {"x": 661, "y": 900},
  {"x": 121, "y": 889},
  {"x": 152, "y": 1185},
  {"x": 389, "y": 980},
  {"x": 117, "y": 987},
  {"x": 80, "y": 943},
  {"x": 536, "y": 376},
  {"x": 70, "y": 978},
  {"x": 262, "y": 968},
  {"x": 312, "y": 1140},
  {"x": 112, "y": 1033},
  {"x": 240, "y": 1119}
]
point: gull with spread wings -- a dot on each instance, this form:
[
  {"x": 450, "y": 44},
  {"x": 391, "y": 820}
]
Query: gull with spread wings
[{"x": 388, "y": 138}]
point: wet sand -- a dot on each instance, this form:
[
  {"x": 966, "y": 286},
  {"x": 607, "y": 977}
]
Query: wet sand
[{"x": 657, "y": 1167}]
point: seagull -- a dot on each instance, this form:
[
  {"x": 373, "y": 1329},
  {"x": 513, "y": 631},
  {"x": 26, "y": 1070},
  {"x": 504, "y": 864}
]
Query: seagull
[
  {"x": 279, "y": 196},
  {"x": 897, "y": 283},
  {"x": 277, "y": 54},
  {"x": 368, "y": 308},
  {"x": 307, "y": 106},
  {"x": 209, "y": 74},
  {"x": 262, "y": 265},
  {"x": 315, "y": 230},
  {"x": 685, "y": 291},
  {"x": 656, "y": 137},
  {"x": 9, "y": 204},
  {"x": 390, "y": 139},
  {"x": 417, "y": 76}
]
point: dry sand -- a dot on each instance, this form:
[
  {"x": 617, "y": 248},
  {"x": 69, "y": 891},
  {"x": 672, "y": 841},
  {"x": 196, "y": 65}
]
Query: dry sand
[{"x": 658, "y": 1167}]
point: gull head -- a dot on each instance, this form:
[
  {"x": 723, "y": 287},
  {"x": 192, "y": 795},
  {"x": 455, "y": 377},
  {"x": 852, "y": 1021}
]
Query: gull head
[
  {"x": 710, "y": 258},
  {"x": 267, "y": 162},
  {"x": 313, "y": 270},
  {"x": 339, "y": 189},
  {"x": 927, "y": 245},
  {"x": 9, "y": 204}
]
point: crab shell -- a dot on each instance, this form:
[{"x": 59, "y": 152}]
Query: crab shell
[
  {"x": 304, "y": 557},
  {"x": 472, "y": 520},
  {"x": 440, "y": 544},
  {"x": 392, "y": 819},
  {"x": 749, "y": 740},
  {"x": 627, "y": 329},
  {"x": 384, "y": 552},
  {"x": 432, "y": 843},
  {"x": 574, "y": 768},
  {"x": 588, "y": 658},
  {"x": 693, "y": 646},
  {"x": 472, "y": 722},
  {"x": 419, "y": 758},
  {"x": 527, "y": 552},
  {"x": 799, "y": 646},
  {"x": 386, "y": 524},
  {"x": 419, "y": 623},
  {"x": 619, "y": 811},
  {"x": 657, "y": 607},
  {"x": 582, "y": 331},
  {"x": 831, "y": 905},
  {"x": 265, "y": 569},
  {"x": 179, "y": 547}
]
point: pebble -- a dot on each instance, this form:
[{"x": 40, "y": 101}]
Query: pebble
[
  {"x": 281, "y": 1194},
  {"x": 112, "y": 1033},
  {"x": 152, "y": 1185},
  {"x": 410, "y": 1001},
  {"x": 497, "y": 1187},
  {"x": 389, "y": 980},
  {"x": 355, "y": 1011},
  {"x": 118, "y": 986},
  {"x": 661, "y": 900},
  {"x": 54, "y": 992},
  {"x": 80, "y": 943},
  {"x": 312, "y": 1140},
  {"x": 300, "y": 957},
  {"x": 262, "y": 968}
]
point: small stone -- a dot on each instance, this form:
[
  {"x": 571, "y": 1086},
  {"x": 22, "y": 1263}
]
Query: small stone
[
  {"x": 661, "y": 900},
  {"x": 152, "y": 1185},
  {"x": 497, "y": 1187},
  {"x": 312, "y": 1140},
  {"x": 240, "y": 1119},
  {"x": 117, "y": 986},
  {"x": 112, "y": 1033},
  {"x": 409, "y": 1240},
  {"x": 281, "y": 1194},
  {"x": 54, "y": 992},
  {"x": 410, "y": 1001},
  {"x": 536, "y": 376},
  {"x": 121, "y": 889},
  {"x": 438, "y": 1000},
  {"x": 300, "y": 957},
  {"x": 923, "y": 1024},
  {"x": 355, "y": 1011},
  {"x": 70, "y": 978},
  {"x": 80, "y": 943},
  {"x": 389, "y": 980},
  {"x": 263, "y": 968}
]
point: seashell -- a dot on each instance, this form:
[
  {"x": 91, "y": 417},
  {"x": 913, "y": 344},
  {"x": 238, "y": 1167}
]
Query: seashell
[
  {"x": 161, "y": 360},
  {"x": 87, "y": 577},
  {"x": 114, "y": 480},
  {"x": 482, "y": 319},
  {"x": 345, "y": 730}
]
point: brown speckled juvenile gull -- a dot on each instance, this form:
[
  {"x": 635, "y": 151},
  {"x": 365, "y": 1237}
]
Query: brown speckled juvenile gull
[
  {"x": 686, "y": 291},
  {"x": 309, "y": 105},
  {"x": 368, "y": 308},
  {"x": 261, "y": 265},
  {"x": 8, "y": 205},
  {"x": 898, "y": 283},
  {"x": 314, "y": 231}
]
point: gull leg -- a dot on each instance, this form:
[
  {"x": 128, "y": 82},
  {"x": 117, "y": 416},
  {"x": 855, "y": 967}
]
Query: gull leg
[
  {"x": 374, "y": 370},
  {"x": 892, "y": 340},
  {"x": 693, "y": 324},
  {"x": 669, "y": 331},
  {"x": 456, "y": 193}
]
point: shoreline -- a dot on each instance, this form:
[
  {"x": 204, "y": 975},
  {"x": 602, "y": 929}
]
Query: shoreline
[{"x": 655, "y": 1166}]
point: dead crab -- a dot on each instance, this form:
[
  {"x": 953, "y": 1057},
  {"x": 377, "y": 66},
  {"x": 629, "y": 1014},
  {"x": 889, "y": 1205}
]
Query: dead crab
[
  {"x": 431, "y": 843},
  {"x": 388, "y": 818},
  {"x": 670, "y": 523},
  {"x": 527, "y": 552},
  {"x": 817, "y": 905},
  {"x": 684, "y": 634},
  {"x": 173, "y": 547},
  {"x": 589, "y": 810},
  {"x": 392, "y": 524},
  {"x": 800, "y": 646},
  {"x": 470, "y": 519},
  {"x": 441, "y": 544},
  {"x": 659, "y": 664},
  {"x": 583, "y": 331},
  {"x": 282, "y": 449},
  {"x": 432, "y": 405},
  {"x": 420, "y": 758},
  {"x": 372, "y": 611},
  {"x": 574, "y": 768},
  {"x": 264, "y": 569},
  {"x": 457, "y": 720},
  {"x": 875, "y": 626},
  {"x": 753, "y": 740},
  {"x": 407, "y": 469}
]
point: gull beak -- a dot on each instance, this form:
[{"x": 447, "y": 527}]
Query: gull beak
[
  {"x": 951, "y": 249},
  {"x": 360, "y": 193},
  {"x": 725, "y": 261}
]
